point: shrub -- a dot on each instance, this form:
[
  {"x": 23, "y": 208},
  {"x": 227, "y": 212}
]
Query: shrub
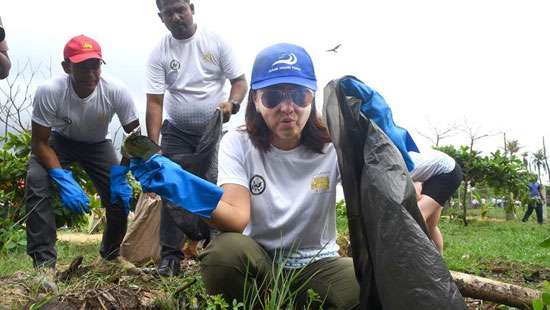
[{"x": 14, "y": 155}]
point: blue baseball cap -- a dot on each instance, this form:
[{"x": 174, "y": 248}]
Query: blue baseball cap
[{"x": 283, "y": 63}]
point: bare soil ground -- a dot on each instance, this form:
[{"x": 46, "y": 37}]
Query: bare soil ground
[
  {"x": 80, "y": 237},
  {"x": 99, "y": 286}
]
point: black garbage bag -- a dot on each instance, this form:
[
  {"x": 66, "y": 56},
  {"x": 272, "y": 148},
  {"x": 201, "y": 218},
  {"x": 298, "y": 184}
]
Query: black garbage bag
[{"x": 396, "y": 264}]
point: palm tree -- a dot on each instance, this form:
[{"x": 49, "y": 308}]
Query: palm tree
[
  {"x": 513, "y": 147},
  {"x": 539, "y": 161},
  {"x": 524, "y": 156}
]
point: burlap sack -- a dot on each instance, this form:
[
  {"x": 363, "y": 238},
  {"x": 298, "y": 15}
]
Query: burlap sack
[{"x": 141, "y": 243}]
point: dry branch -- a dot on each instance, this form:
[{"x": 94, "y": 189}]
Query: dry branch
[{"x": 494, "y": 291}]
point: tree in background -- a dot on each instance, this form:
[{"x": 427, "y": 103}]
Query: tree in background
[
  {"x": 471, "y": 164},
  {"x": 471, "y": 161},
  {"x": 525, "y": 159},
  {"x": 506, "y": 176},
  {"x": 437, "y": 134},
  {"x": 546, "y": 159},
  {"x": 16, "y": 96},
  {"x": 539, "y": 161},
  {"x": 512, "y": 147}
]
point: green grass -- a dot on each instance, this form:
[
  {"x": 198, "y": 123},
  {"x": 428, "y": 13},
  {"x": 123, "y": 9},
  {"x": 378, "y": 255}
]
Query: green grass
[
  {"x": 492, "y": 213},
  {"x": 66, "y": 252},
  {"x": 481, "y": 243},
  {"x": 16, "y": 271},
  {"x": 490, "y": 247}
]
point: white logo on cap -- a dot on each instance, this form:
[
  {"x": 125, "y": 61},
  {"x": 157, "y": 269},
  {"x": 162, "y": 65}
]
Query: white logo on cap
[{"x": 292, "y": 59}]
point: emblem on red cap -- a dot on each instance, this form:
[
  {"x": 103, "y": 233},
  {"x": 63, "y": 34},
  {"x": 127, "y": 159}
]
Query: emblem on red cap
[{"x": 82, "y": 48}]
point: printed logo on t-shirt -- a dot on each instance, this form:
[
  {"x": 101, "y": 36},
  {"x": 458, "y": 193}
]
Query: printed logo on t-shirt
[
  {"x": 320, "y": 183},
  {"x": 208, "y": 57},
  {"x": 175, "y": 65},
  {"x": 257, "y": 185}
]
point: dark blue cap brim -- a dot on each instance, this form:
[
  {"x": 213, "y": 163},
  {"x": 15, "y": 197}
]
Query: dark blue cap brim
[{"x": 311, "y": 84}]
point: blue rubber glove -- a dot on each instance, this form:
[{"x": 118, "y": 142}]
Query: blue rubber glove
[
  {"x": 72, "y": 195},
  {"x": 162, "y": 176},
  {"x": 120, "y": 189}
]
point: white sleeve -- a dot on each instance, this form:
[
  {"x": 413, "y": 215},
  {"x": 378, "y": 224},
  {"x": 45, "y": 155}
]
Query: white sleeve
[
  {"x": 124, "y": 105},
  {"x": 231, "y": 167},
  {"x": 43, "y": 111},
  {"x": 155, "y": 75},
  {"x": 228, "y": 60}
]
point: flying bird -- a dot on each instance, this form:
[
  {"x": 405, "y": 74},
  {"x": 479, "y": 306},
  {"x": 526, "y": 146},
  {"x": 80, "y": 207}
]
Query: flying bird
[{"x": 334, "y": 49}]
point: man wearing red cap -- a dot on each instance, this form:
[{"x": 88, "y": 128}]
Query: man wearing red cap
[
  {"x": 5, "y": 63},
  {"x": 70, "y": 122},
  {"x": 186, "y": 75}
]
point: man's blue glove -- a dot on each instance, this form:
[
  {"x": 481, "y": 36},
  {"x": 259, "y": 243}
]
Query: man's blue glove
[
  {"x": 120, "y": 189},
  {"x": 167, "y": 179},
  {"x": 72, "y": 195}
]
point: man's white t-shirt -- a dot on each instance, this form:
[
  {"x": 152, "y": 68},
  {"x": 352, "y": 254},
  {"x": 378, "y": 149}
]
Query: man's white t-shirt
[
  {"x": 57, "y": 106},
  {"x": 191, "y": 73},
  {"x": 430, "y": 163},
  {"x": 293, "y": 197}
]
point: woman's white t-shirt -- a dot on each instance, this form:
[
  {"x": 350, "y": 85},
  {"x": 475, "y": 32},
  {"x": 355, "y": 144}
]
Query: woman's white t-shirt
[{"x": 293, "y": 197}]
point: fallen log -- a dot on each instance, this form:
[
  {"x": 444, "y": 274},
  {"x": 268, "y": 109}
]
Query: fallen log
[{"x": 494, "y": 291}]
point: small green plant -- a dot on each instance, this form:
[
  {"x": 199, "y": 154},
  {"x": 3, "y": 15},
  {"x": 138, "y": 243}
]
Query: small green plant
[
  {"x": 483, "y": 205},
  {"x": 341, "y": 216},
  {"x": 12, "y": 237},
  {"x": 279, "y": 289},
  {"x": 543, "y": 303},
  {"x": 313, "y": 297},
  {"x": 341, "y": 210},
  {"x": 217, "y": 302}
]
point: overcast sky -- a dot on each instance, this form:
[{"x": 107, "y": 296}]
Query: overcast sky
[{"x": 436, "y": 62}]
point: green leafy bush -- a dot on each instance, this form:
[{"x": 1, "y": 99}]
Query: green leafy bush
[
  {"x": 14, "y": 155},
  {"x": 12, "y": 237}
]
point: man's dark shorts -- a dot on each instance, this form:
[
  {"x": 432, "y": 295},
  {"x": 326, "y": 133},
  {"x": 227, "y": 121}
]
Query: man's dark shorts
[{"x": 442, "y": 186}]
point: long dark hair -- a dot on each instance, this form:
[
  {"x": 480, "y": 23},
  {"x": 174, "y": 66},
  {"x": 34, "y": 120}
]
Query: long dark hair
[{"x": 314, "y": 135}]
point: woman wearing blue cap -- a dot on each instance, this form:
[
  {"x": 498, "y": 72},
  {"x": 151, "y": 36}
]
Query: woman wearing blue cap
[{"x": 279, "y": 176}]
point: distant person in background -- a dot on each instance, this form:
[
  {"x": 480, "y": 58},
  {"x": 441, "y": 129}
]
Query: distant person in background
[
  {"x": 437, "y": 176},
  {"x": 186, "y": 75},
  {"x": 5, "y": 63},
  {"x": 537, "y": 200},
  {"x": 70, "y": 123}
]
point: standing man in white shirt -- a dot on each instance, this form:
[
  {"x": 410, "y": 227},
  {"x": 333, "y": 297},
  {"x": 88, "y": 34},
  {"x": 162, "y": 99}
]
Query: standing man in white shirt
[
  {"x": 186, "y": 73},
  {"x": 70, "y": 123}
]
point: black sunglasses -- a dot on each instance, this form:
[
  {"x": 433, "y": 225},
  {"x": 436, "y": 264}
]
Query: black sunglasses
[{"x": 301, "y": 96}]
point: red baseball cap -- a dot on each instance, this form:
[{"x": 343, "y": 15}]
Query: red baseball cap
[{"x": 81, "y": 48}]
